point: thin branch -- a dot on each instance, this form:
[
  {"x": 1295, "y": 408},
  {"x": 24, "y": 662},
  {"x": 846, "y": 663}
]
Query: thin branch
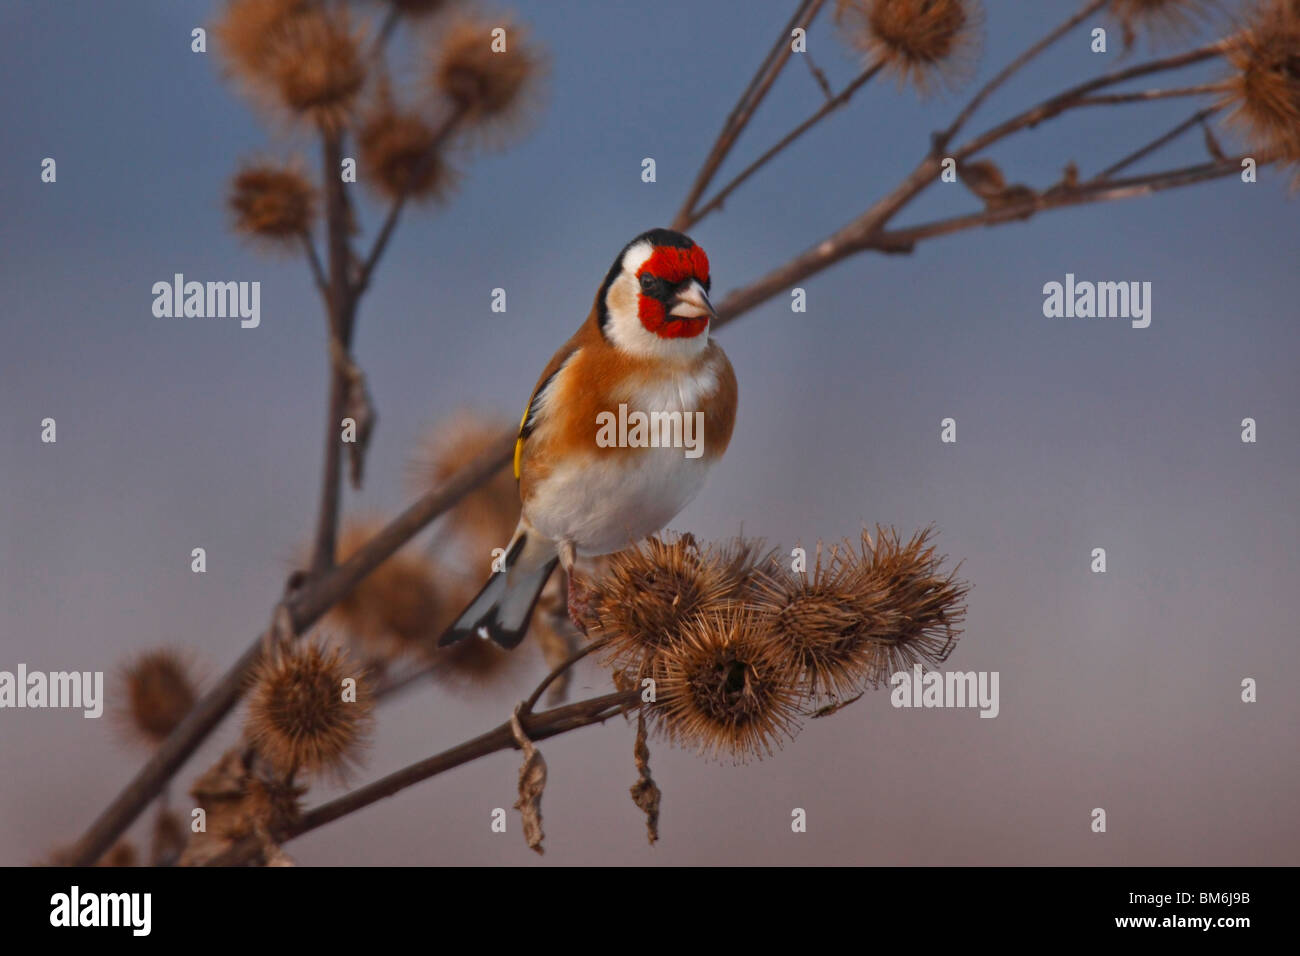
[
  {"x": 745, "y": 107},
  {"x": 1070, "y": 98},
  {"x": 559, "y": 669},
  {"x": 549, "y": 723},
  {"x": 826, "y": 108},
  {"x": 305, "y": 607},
  {"x": 1198, "y": 117},
  {"x": 1144, "y": 96},
  {"x": 942, "y": 140},
  {"x": 818, "y": 76},
  {"x": 1086, "y": 193},
  {"x": 395, "y": 209},
  {"x": 313, "y": 260},
  {"x": 340, "y": 304},
  {"x": 838, "y": 245},
  {"x": 385, "y": 31}
]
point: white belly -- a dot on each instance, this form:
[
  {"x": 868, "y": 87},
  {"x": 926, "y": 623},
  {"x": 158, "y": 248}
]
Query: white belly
[{"x": 609, "y": 503}]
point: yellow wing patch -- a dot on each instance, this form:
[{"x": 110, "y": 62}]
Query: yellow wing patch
[{"x": 519, "y": 442}]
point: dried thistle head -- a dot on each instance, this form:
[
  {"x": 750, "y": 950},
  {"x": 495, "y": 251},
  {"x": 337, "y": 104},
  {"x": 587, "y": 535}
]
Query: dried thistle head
[
  {"x": 650, "y": 592},
  {"x": 489, "y": 513},
  {"x": 302, "y": 56},
  {"x": 239, "y": 799},
  {"x": 317, "y": 65},
  {"x": 821, "y": 621},
  {"x": 396, "y": 607},
  {"x": 1159, "y": 19},
  {"x": 298, "y": 718},
  {"x": 1264, "y": 87},
  {"x": 400, "y": 156},
  {"x": 724, "y": 688},
  {"x": 489, "y": 77},
  {"x": 275, "y": 203},
  {"x": 744, "y": 562},
  {"x": 923, "y": 42},
  {"x": 914, "y": 608},
  {"x": 159, "y": 692},
  {"x": 246, "y": 31},
  {"x": 862, "y": 614}
]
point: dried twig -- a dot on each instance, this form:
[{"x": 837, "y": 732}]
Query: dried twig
[
  {"x": 367, "y": 267},
  {"x": 1198, "y": 117},
  {"x": 532, "y": 784},
  {"x": 645, "y": 792},
  {"x": 341, "y": 307},
  {"x": 306, "y": 606},
  {"x": 942, "y": 139},
  {"x": 830, "y": 106},
  {"x": 537, "y": 726},
  {"x": 753, "y": 95}
]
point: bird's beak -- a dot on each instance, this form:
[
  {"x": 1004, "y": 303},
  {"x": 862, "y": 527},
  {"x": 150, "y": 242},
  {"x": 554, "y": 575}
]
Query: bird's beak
[{"x": 691, "y": 303}]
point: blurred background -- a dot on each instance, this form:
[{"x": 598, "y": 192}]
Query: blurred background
[{"x": 1118, "y": 690}]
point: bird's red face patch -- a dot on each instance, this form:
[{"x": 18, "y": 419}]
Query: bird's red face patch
[{"x": 667, "y": 267}]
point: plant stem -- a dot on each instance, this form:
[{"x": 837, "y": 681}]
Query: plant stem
[
  {"x": 1197, "y": 117},
  {"x": 305, "y": 607},
  {"x": 1014, "y": 67},
  {"x": 1086, "y": 193},
  {"x": 341, "y": 308},
  {"x": 743, "y": 111},
  {"x": 826, "y": 108},
  {"x": 1071, "y": 97},
  {"x": 549, "y": 723}
]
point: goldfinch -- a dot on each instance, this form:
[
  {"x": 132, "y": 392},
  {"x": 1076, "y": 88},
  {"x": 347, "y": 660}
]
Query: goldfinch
[{"x": 619, "y": 432}]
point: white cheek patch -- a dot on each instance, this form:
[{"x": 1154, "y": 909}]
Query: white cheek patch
[{"x": 622, "y": 302}]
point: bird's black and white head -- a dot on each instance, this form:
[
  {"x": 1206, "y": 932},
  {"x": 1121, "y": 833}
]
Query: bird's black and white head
[{"x": 655, "y": 299}]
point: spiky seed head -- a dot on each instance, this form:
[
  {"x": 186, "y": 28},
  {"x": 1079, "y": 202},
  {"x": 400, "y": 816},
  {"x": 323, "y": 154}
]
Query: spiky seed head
[
  {"x": 822, "y": 622},
  {"x": 649, "y": 592},
  {"x": 396, "y": 607},
  {"x": 1264, "y": 86},
  {"x": 399, "y": 155},
  {"x": 298, "y": 720},
  {"x": 491, "y": 88},
  {"x": 317, "y": 65},
  {"x": 159, "y": 693},
  {"x": 489, "y": 513},
  {"x": 271, "y": 202},
  {"x": 239, "y": 799},
  {"x": 1159, "y": 19},
  {"x": 723, "y": 689},
  {"x": 924, "y": 42},
  {"x": 297, "y": 56},
  {"x": 914, "y": 609},
  {"x": 246, "y": 32}
]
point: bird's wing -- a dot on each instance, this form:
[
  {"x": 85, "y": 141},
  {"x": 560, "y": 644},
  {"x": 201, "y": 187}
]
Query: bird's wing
[{"x": 529, "y": 421}]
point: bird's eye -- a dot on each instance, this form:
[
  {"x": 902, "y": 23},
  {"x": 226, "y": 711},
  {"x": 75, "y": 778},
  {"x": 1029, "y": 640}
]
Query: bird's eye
[{"x": 647, "y": 282}]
